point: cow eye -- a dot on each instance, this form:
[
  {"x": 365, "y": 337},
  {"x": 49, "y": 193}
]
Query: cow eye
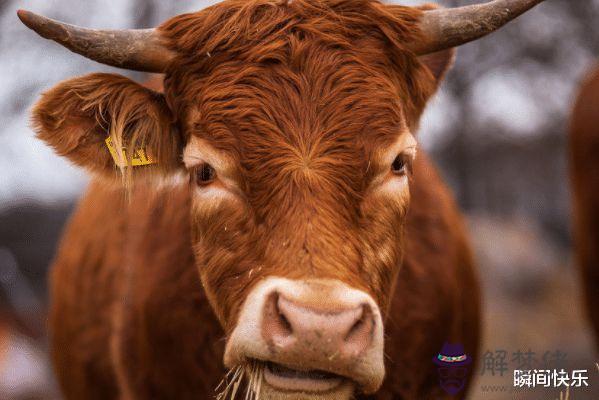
[
  {"x": 400, "y": 165},
  {"x": 204, "y": 174}
]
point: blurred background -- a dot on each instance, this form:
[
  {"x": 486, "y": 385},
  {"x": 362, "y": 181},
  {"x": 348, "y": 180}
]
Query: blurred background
[{"x": 497, "y": 129}]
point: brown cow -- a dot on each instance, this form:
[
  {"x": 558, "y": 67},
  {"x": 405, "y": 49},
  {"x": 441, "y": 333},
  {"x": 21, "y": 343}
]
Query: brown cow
[
  {"x": 278, "y": 167},
  {"x": 584, "y": 148}
]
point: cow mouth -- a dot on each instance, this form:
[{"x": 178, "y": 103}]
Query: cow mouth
[{"x": 289, "y": 379}]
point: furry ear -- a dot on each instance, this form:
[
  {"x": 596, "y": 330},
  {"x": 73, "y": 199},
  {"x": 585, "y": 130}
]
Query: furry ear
[
  {"x": 439, "y": 63},
  {"x": 106, "y": 123}
]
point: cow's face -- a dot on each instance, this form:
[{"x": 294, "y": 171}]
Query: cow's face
[
  {"x": 299, "y": 157},
  {"x": 296, "y": 139},
  {"x": 300, "y": 185}
]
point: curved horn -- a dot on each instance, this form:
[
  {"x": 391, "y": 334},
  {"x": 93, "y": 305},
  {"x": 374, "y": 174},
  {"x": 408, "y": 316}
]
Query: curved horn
[
  {"x": 445, "y": 28},
  {"x": 135, "y": 49}
]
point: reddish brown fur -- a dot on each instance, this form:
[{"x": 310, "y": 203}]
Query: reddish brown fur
[
  {"x": 303, "y": 97},
  {"x": 584, "y": 149}
]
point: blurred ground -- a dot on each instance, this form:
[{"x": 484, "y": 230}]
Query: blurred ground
[
  {"x": 497, "y": 129},
  {"x": 531, "y": 304}
]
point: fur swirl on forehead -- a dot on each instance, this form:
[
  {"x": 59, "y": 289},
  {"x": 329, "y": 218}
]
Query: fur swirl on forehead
[{"x": 259, "y": 31}]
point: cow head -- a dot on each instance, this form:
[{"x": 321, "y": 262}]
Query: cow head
[{"x": 293, "y": 124}]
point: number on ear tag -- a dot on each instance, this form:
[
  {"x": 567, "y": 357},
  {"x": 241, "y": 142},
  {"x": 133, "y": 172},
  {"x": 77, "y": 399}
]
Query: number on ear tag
[{"x": 140, "y": 156}]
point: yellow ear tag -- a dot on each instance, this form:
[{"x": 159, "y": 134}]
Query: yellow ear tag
[{"x": 139, "y": 158}]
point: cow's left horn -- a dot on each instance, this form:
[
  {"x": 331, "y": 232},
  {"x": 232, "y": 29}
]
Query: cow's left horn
[
  {"x": 451, "y": 27},
  {"x": 135, "y": 49}
]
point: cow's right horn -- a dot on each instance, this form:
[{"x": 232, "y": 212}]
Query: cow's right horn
[
  {"x": 451, "y": 27},
  {"x": 134, "y": 49}
]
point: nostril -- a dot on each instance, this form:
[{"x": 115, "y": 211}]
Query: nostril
[
  {"x": 285, "y": 324},
  {"x": 360, "y": 334},
  {"x": 275, "y": 325},
  {"x": 357, "y": 325}
]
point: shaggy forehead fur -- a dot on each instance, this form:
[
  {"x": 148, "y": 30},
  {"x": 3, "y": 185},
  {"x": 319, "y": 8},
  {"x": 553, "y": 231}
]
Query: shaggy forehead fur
[{"x": 304, "y": 92}]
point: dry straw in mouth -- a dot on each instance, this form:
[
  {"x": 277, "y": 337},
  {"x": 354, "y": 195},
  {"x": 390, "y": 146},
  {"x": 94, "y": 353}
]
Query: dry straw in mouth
[{"x": 229, "y": 388}]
